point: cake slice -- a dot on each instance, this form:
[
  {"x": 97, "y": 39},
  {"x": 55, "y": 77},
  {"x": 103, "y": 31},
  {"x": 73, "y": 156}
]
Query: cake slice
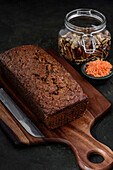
[{"x": 44, "y": 84}]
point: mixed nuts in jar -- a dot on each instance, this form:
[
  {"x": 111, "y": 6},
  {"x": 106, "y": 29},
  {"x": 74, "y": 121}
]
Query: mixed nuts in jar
[{"x": 84, "y": 36}]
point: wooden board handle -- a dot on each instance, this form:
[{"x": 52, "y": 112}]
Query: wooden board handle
[
  {"x": 90, "y": 147},
  {"x": 84, "y": 145},
  {"x": 83, "y": 150}
]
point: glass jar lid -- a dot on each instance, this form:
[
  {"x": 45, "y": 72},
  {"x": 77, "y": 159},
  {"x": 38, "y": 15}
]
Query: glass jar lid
[{"x": 85, "y": 21}]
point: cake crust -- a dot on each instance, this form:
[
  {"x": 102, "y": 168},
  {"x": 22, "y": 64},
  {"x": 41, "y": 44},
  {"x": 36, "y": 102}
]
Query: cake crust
[{"x": 44, "y": 84}]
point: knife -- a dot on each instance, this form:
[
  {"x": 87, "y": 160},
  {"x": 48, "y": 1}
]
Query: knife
[{"x": 20, "y": 116}]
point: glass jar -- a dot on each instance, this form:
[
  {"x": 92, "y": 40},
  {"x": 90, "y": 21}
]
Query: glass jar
[{"x": 84, "y": 36}]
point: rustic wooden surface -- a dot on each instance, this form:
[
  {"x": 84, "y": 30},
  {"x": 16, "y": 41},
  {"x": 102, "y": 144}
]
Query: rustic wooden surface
[
  {"x": 76, "y": 134},
  {"x": 38, "y": 22}
]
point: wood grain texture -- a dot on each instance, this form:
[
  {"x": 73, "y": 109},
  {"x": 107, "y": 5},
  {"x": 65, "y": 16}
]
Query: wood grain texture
[{"x": 76, "y": 134}]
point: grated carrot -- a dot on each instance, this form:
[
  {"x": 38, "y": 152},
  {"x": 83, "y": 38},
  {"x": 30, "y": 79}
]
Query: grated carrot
[{"x": 98, "y": 68}]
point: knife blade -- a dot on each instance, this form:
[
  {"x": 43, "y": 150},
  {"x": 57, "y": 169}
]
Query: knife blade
[{"x": 20, "y": 116}]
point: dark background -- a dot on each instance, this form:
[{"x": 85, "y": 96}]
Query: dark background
[{"x": 38, "y": 23}]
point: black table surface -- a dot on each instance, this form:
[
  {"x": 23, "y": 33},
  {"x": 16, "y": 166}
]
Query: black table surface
[{"x": 38, "y": 22}]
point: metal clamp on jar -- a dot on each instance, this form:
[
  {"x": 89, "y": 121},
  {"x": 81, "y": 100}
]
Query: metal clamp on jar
[{"x": 84, "y": 36}]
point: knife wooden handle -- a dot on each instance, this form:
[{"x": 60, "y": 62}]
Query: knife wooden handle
[
  {"x": 10, "y": 126},
  {"x": 14, "y": 130},
  {"x": 18, "y": 134}
]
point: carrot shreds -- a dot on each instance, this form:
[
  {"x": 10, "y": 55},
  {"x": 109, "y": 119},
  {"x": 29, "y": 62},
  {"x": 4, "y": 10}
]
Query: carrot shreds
[{"x": 98, "y": 68}]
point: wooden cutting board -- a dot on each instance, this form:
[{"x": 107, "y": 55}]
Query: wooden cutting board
[{"x": 76, "y": 134}]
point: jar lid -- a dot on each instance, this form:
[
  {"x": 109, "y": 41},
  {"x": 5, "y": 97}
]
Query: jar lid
[{"x": 85, "y": 21}]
